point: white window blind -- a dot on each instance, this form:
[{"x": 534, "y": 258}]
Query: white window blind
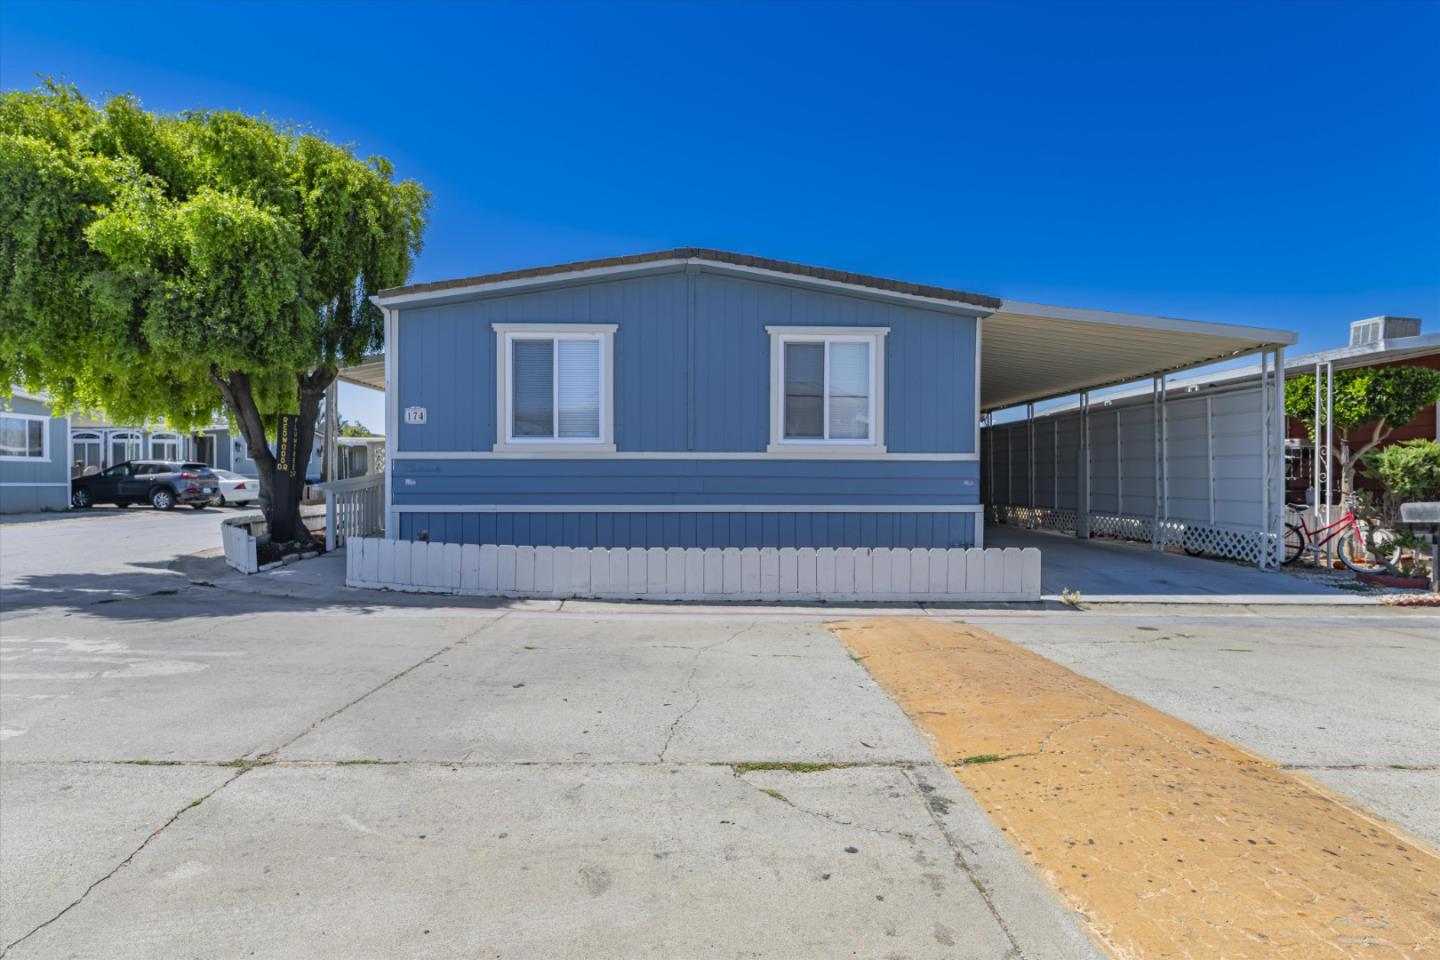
[
  {"x": 848, "y": 390},
  {"x": 579, "y": 375}
]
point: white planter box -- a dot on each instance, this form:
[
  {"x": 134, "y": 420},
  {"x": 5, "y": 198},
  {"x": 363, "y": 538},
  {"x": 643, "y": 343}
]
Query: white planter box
[{"x": 239, "y": 535}]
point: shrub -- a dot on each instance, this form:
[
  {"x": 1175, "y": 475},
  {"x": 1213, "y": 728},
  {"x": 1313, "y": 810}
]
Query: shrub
[{"x": 1409, "y": 471}]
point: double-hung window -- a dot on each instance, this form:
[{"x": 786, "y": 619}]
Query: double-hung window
[
  {"x": 555, "y": 387},
  {"x": 827, "y": 389},
  {"x": 23, "y": 437}
]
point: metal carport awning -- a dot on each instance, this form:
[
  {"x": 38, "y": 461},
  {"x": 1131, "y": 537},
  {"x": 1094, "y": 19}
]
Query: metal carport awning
[
  {"x": 369, "y": 372},
  {"x": 1031, "y": 352}
]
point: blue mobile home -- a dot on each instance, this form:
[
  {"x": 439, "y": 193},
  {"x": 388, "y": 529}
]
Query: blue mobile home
[
  {"x": 688, "y": 398},
  {"x": 34, "y": 470}
]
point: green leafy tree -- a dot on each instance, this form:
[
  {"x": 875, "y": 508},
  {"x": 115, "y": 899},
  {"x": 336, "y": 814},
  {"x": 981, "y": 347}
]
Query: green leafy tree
[
  {"x": 1378, "y": 399},
  {"x": 155, "y": 265},
  {"x": 354, "y": 428}
]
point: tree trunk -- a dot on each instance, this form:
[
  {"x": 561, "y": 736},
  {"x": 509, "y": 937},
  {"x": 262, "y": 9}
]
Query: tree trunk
[
  {"x": 1351, "y": 458},
  {"x": 235, "y": 389}
]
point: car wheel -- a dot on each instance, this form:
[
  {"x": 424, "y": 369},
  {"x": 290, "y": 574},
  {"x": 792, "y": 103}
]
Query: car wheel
[
  {"x": 80, "y": 499},
  {"x": 162, "y": 499}
]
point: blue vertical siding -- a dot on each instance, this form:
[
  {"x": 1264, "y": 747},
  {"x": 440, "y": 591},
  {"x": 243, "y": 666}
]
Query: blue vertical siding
[{"x": 686, "y": 382}]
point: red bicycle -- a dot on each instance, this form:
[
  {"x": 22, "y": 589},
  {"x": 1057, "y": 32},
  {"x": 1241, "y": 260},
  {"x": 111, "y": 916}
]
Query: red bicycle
[{"x": 1350, "y": 532}]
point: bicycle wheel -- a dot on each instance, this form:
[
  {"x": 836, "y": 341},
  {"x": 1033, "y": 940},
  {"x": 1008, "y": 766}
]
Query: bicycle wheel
[
  {"x": 1294, "y": 543},
  {"x": 1356, "y": 555}
]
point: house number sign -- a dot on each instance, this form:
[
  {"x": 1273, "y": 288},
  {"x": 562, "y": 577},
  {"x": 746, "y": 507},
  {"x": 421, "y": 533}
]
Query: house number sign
[{"x": 414, "y": 414}]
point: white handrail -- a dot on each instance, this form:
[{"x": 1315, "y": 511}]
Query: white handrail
[{"x": 354, "y": 507}]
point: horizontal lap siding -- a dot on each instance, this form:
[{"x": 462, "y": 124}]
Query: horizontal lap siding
[
  {"x": 759, "y": 481},
  {"x": 857, "y": 529}
]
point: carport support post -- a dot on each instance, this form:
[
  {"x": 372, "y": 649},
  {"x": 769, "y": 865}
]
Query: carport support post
[
  {"x": 332, "y": 431},
  {"x": 1329, "y": 456},
  {"x": 1082, "y": 472},
  {"x": 1030, "y": 469},
  {"x": 1157, "y": 541},
  {"x": 1277, "y": 461},
  {"x": 1315, "y": 465}
]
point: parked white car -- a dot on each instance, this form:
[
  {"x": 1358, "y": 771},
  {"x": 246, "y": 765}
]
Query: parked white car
[{"x": 237, "y": 490}]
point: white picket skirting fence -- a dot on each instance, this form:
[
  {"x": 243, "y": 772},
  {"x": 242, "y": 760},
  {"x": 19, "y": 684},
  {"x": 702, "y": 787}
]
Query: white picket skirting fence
[
  {"x": 692, "y": 573},
  {"x": 353, "y": 508}
]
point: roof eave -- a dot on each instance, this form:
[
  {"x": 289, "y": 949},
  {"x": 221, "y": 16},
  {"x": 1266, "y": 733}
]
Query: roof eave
[{"x": 976, "y": 305}]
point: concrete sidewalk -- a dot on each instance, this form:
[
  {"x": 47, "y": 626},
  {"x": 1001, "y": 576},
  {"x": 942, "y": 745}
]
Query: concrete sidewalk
[{"x": 1113, "y": 571}]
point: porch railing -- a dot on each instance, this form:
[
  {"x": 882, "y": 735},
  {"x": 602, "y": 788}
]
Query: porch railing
[{"x": 353, "y": 508}]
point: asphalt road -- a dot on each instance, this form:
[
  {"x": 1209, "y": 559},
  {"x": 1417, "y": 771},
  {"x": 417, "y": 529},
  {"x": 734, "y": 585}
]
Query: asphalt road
[{"x": 88, "y": 555}]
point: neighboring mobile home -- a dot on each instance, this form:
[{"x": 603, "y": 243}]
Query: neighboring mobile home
[
  {"x": 98, "y": 443},
  {"x": 34, "y": 474}
]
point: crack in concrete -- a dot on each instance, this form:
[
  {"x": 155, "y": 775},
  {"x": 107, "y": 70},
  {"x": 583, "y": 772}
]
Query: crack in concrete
[
  {"x": 820, "y": 814},
  {"x": 478, "y": 764},
  {"x": 689, "y": 686},
  {"x": 964, "y": 864},
  {"x": 266, "y": 757},
  {"x": 126, "y": 862},
  {"x": 1400, "y": 767},
  {"x": 243, "y": 766}
]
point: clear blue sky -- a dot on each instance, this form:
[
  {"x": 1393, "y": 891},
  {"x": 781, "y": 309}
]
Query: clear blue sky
[{"x": 1268, "y": 164}]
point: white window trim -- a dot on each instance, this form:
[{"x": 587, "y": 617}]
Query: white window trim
[
  {"x": 127, "y": 437},
  {"x": 831, "y": 449},
  {"x": 44, "y": 439},
  {"x": 505, "y": 334},
  {"x": 167, "y": 438}
]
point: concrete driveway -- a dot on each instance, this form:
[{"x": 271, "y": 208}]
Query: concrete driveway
[
  {"x": 1121, "y": 571},
  {"x": 189, "y": 771},
  {"x": 209, "y": 774}
]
